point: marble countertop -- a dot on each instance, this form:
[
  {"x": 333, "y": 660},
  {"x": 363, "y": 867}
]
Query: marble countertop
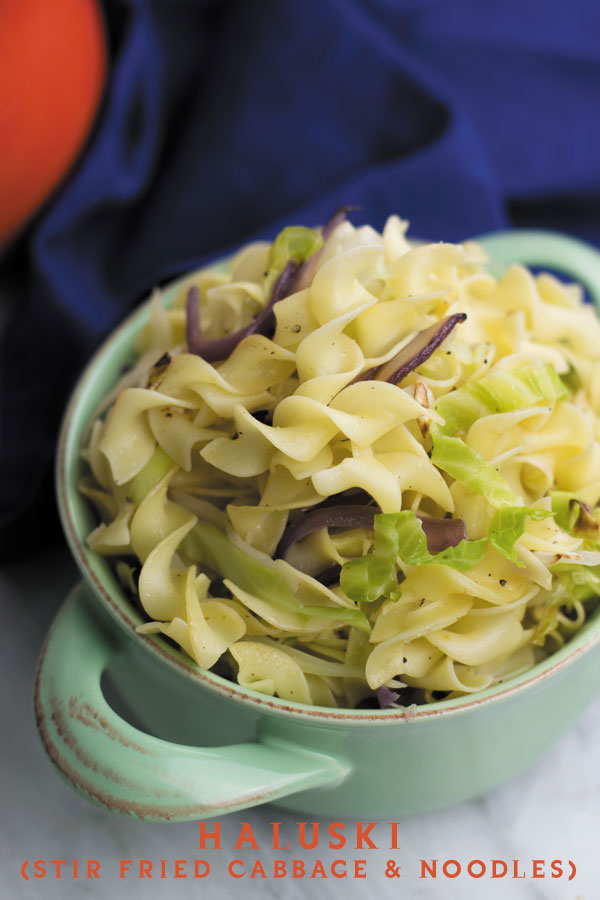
[{"x": 552, "y": 812}]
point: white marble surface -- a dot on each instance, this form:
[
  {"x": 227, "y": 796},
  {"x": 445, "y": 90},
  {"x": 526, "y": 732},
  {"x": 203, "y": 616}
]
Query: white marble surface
[{"x": 552, "y": 812}]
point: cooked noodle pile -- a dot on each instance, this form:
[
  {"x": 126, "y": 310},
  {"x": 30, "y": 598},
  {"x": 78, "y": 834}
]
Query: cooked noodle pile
[{"x": 383, "y": 491}]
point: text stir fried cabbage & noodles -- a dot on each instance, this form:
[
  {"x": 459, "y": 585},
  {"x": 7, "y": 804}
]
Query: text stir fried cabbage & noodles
[{"x": 346, "y": 470}]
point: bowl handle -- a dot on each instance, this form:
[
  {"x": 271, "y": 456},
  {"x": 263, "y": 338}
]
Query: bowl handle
[
  {"x": 130, "y": 772},
  {"x": 559, "y": 252}
]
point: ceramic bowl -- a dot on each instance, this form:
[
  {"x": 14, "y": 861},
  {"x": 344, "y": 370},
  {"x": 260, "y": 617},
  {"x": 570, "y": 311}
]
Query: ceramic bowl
[{"x": 135, "y": 726}]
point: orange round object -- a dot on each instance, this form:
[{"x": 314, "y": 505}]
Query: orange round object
[{"x": 52, "y": 66}]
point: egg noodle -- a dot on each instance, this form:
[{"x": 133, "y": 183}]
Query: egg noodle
[{"x": 274, "y": 510}]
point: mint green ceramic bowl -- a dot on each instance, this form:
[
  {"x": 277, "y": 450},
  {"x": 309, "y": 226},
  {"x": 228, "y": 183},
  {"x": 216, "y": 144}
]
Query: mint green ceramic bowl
[{"x": 223, "y": 748}]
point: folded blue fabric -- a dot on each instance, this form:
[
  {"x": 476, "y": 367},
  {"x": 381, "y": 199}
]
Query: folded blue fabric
[{"x": 223, "y": 121}]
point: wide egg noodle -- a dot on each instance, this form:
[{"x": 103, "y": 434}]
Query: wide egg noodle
[
  {"x": 284, "y": 620},
  {"x": 127, "y": 441},
  {"x": 114, "y": 537},
  {"x": 257, "y": 526},
  {"x": 156, "y": 518},
  {"x": 449, "y": 676},
  {"x": 398, "y": 657},
  {"x": 210, "y": 627},
  {"x": 474, "y": 641},
  {"x": 337, "y": 287},
  {"x": 270, "y": 670},
  {"x": 162, "y": 588}
]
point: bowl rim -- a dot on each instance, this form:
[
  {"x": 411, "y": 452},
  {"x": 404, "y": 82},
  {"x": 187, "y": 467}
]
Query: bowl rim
[{"x": 582, "y": 642}]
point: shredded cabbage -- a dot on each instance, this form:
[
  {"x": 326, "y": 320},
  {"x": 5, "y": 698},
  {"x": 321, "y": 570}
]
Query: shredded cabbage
[
  {"x": 400, "y": 535},
  {"x": 499, "y": 393},
  {"x": 257, "y": 574},
  {"x": 460, "y": 461},
  {"x": 293, "y": 243}
]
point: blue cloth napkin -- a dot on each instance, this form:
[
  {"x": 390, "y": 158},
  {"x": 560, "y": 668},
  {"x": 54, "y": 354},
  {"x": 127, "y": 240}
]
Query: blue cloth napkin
[{"x": 223, "y": 121}]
